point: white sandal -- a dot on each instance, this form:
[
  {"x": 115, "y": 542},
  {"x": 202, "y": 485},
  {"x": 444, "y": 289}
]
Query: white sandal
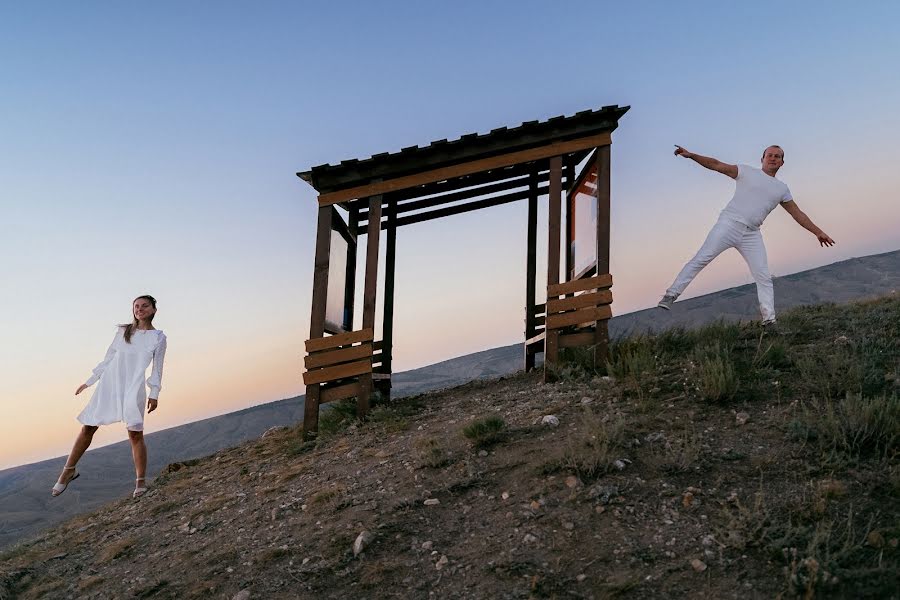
[
  {"x": 58, "y": 488},
  {"x": 139, "y": 490}
]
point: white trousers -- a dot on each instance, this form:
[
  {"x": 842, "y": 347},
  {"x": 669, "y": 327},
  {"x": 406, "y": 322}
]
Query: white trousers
[{"x": 726, "y": 234}]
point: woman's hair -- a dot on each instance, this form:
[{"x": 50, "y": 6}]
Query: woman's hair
[{"x": 129, "y": 327}]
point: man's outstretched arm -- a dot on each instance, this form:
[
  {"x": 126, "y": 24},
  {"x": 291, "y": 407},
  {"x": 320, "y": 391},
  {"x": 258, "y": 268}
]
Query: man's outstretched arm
[
  {"x": 807, "y": 223},
  {"x": 709, "y": 163}
]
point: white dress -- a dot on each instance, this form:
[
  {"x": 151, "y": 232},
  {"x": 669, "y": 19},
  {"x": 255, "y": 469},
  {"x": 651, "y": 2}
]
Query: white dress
[{"x": 121, "y": 394}]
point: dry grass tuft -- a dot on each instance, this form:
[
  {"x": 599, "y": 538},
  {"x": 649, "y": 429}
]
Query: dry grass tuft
[{"x": 115, "y": 550}]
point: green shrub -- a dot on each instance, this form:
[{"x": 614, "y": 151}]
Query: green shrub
[
  {"x": 485, "y": 432},
  {"x": 589, "y": 451},
  {"x": 855, "y": 426},
  {"x": 716, "y": 376}
]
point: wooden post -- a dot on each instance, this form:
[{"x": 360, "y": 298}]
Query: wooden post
[
  {"x": 350, "y": 286},
  {"x": 531, "y": 267},
  {"x": 390, "y": 255},
  {"x": 369, "y": 294},
  {"x": 551, "y": 338},
  {"x": 317, "y": 318},
  {"x": 570, "y": 179},
  {"x": 601, "y": 330}
]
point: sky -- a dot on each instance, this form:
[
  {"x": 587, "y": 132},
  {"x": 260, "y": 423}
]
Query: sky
[{"x": 152, "y": 148}]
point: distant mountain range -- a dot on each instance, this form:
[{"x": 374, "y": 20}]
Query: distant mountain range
[{"x": 26, "y": 506}]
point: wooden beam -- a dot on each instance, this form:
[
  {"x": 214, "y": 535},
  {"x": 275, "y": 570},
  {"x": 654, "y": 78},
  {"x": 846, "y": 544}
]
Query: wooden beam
[
  {"x": 576, "y": 340},
  {"x": 369, "y": 295},
  {"x": 350, "y": 280},
  {"x": 538, "y": 337},
  {"x": 577, "y": 317},
  {"x": 579, "y": 285},
  {"x": 603, "y": 209},
  {"x": 338, "y": 372},
  {"x": 601, "y": 331},
  {"x": 325, "y": 359},
  {"x": 553, "y": 239},
  {"x": 551, "y": 341},
  {"x": 466, "y": 194},
  {"x": 317, "y": 318},
  {"x": 336, "y": 341},
  {"x": 484, "y": 177},
  {"x": 462, "y": 208},
  {"x": 390, "y": 261},
  {"x": 531, "y": 265},
  {"x": 485, "y": 164},
  {"x": 320, "y": 273},
  {"x": 583, "y": 301},
  {"x": 340, "y": 392},
  {"x": 570, "y": 179}
]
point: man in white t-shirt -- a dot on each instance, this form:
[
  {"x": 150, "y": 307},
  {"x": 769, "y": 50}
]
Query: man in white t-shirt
[{"x": 756, "y": 194}]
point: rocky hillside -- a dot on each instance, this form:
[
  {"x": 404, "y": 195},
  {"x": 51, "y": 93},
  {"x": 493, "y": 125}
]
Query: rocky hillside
[
  {"x": 722, "y": 462},
  {"x": 26, "y": 507}
]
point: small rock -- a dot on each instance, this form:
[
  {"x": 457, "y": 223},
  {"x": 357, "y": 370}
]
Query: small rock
[
  {"x": 875, "y": 539},
  {"x": 619, "y": 464},
  {"x": 586, "y": 400},
  {"x": 581, "y": 577},
  {"x": 603, "y": 492},
  {"x": 599, "y": 509},
  {"x": 687, "y": 499},
  {"x": 482, "y": 453},
  {"x": 535, "y": 505},
  {"x": 568, "y": 525},
  {"x": 654, "y": 437},
  {"x": 427, "y": 545},
  {"x": 571, "y": 481},
  {"x": 505, "y": 495},
  {"x": 698, "y": 565},
  {"x": 275, "y": 513},
  {"x": 432, "y": 502},
  {"x": 741, "y": 418},
  {"x": 708, "y": 540},
  {"x": 242, "y": 595},
  {"x": 442, "y": 562},
  {"x": 362, "y": 540},
  {"x": 550, "y": 421},
  {"x": 529, "y": 539}
]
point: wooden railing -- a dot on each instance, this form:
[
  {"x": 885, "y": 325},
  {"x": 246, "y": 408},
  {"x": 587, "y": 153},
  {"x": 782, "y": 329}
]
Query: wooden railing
[{"x": 333, "y": 360}]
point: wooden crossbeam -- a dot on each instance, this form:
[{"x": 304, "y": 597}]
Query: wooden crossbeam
[
  {"x": 576, "y": 340},
  {"x": 335, "y": 357},
  {"x": 338, "y": 372},
  {"x": 577, "y": 317},
  {"x": 582, "y": 301},
  {"x": 579, "y": 285},
  {"x": 343, "y": 339},
  {"x": 485, "y": 164},
  {"x": 537, "y": 338},
  {"x": 348, "y": 390}
]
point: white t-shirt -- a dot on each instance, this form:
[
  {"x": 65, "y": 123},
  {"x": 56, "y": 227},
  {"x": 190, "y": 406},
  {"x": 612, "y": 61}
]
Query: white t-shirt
[{"x": 755, "y": 196}]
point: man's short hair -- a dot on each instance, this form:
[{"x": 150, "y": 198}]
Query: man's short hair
[{"x": 774, "y": 146}]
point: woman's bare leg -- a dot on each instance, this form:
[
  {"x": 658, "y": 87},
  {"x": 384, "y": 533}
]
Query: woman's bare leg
[
  {"x": 138, "y": 453},
  {"x": 82, "y": 442}
]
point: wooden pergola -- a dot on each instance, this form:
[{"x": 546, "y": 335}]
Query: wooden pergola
[{"x": 418, "y": 184}]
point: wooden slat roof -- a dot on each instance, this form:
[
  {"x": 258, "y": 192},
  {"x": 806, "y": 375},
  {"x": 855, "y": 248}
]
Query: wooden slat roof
[{"x": 470, "y": 147}]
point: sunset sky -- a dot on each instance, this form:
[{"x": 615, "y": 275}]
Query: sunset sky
[{"x": 152, "y": 148}]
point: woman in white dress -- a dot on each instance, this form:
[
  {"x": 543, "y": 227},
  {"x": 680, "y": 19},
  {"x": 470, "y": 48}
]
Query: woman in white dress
[{"x": 121, "y": 393}]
